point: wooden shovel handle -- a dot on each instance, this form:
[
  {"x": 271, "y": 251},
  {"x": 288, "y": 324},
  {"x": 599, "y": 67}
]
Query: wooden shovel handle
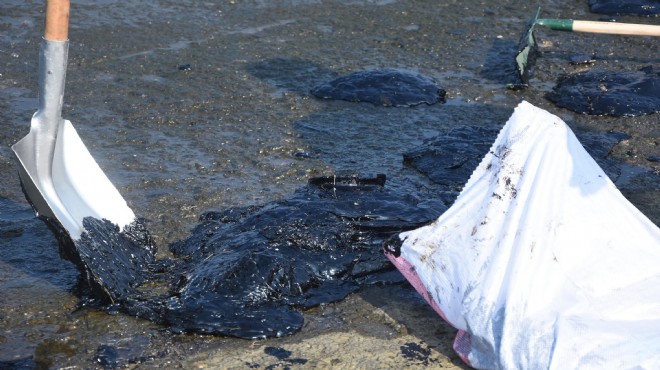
[
  {"x": 616, "y": 28},
  {"x": 57, "y": 20}
]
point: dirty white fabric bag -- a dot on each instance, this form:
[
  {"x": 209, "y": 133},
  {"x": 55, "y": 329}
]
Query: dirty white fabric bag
[{"x": 541, "y": 262}]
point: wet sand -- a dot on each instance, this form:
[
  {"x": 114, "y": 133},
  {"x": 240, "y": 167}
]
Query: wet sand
[{"x": 194, "y": 106}]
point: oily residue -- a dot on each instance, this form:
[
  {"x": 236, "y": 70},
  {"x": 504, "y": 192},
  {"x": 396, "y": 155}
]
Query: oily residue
[
  {"x": 393, "y": 245},
  {"x": 113, "y": 273},
  {"x": 582, "y": 59},
  {"x": 449, "y": 159},
  {"x": 415, "y": 352},
  {"x": 383, "y": 87},
  {"x": 599, "y": 92},
  {"x": 283, "y": 355},
  {"x": 247, "y": 272},
  {"x": 618, "y": 7},
  {"x": 510, "y": 187},
  {"x": 107, "y": 357}
]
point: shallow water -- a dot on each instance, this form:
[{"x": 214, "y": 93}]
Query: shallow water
[{"x": 238, "y": 127}]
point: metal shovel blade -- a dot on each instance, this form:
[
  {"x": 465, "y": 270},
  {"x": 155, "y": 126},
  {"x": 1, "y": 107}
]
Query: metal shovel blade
[
  {"x": 59, "y": 176},
  {"x": 526, "y": 55}
]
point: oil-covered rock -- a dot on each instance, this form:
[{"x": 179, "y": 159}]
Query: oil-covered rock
[
  {"x": 450, "y": 158},
  {"x": 602, "y": 92},
  {"x": 247, "y": 272},
  {"x": 385, "y": 87}
]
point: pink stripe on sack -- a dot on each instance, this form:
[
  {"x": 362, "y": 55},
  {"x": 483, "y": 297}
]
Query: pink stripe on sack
[
  {"x": 462, "y": 341},
  {"x": 410, "y": 274}
]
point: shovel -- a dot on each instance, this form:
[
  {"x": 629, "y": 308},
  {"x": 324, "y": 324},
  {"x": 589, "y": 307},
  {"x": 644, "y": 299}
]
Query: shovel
[
  {"x": 60, "y": 179},
  {"x": 527, "y": 49}
]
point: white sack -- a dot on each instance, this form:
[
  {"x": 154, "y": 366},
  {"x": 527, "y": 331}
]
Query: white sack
[{"x": 541, "y": 262}]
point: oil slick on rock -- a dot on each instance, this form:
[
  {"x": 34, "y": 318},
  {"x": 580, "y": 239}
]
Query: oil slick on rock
[
  {"x": 540, "y": 262},
  {"x": 383, "y": 87},
  {"x": 449, "y": 158},
  {"x": 248, "y": 272},
  {"x": 601, "y": 92}
]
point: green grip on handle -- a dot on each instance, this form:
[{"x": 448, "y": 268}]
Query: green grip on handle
[{"x": 556, "y": 24}]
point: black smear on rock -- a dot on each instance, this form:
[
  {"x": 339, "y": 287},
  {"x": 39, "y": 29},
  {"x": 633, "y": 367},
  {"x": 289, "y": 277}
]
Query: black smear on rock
[
  {"x": 283, "y": 355},
  {"x": 278, "y": 352},
  {"x": 314, "y": 248},
  {"x": 114, "y": 357},
  {"x": 383, "y": 87},
  {"x": 107, "y": 356},
  {"x": 646, "y": 8},
  {"x": 630, "y": 93},
  {"x": 247, "y": 272},
  {"x": 393, "y": 246},
  {"x": 582, "y": 59},
  {"x": 451, "y": 158},
  {"x": 415, "y": 352}
]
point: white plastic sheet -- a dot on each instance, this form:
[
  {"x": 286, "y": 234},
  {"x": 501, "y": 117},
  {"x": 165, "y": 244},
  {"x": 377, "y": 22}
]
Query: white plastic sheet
[{"x": 541, "y": 262}]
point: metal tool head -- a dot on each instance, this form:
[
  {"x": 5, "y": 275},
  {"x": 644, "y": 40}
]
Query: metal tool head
[
  {"x": 527, "y": 52},
  {"x": 60, "y": 178}
]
